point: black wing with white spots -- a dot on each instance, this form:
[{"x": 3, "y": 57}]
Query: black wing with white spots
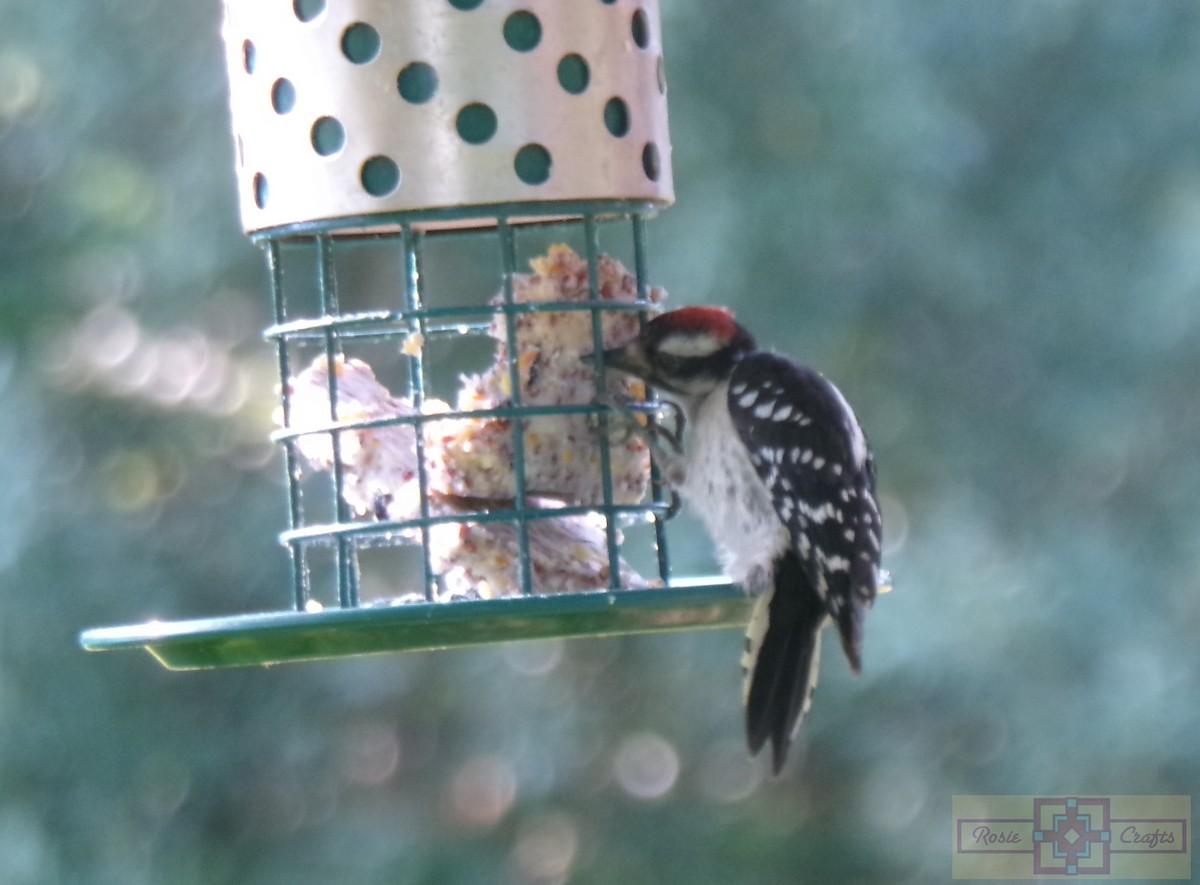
[{"x": 806, "y": 444}]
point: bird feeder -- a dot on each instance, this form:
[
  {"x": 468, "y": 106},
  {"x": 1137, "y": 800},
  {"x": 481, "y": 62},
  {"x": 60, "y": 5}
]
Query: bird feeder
[{"x": 434, "y": 181}]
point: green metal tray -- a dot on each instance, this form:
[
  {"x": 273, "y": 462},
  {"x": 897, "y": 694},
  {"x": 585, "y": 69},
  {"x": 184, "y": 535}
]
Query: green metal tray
[{"x": 280, "y": 637}]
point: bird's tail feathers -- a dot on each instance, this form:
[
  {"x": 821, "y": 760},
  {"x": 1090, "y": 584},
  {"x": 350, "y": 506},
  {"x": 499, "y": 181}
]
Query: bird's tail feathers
[{"x": 783, "y": 646}]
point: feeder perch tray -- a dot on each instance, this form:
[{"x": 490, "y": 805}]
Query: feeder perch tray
[{"x": 280, "y": 637}]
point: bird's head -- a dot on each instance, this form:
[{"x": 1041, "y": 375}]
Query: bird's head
[{"x": 687, "y": 351}]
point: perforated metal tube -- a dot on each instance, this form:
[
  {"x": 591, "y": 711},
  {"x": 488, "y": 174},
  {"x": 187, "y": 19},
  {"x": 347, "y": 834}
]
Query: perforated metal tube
[{"x": 374, "y": 107}]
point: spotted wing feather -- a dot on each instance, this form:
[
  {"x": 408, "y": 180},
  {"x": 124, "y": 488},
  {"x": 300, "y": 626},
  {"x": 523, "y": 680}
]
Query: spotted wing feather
[{"x": 807, "y": 447}]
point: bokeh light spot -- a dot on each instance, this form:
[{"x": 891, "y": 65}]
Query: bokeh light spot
[
  {"x": 546, "y": 848},
  {"x": 130, "y": 480},
  {"x": 534, "y": 658},
  {"x": 483, "y": 791},
  {"x": 728, "y": 774},
  {"x": 646, "y": 766},
  {"x": 22, "y": 85},
  {"x": 370, "y": 753}
]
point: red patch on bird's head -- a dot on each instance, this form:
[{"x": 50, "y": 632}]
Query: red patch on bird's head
[{"x": 715, "y": 321}]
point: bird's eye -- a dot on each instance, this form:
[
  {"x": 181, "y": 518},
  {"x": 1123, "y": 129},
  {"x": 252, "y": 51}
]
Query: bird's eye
[{"x": 668, "y": 362}]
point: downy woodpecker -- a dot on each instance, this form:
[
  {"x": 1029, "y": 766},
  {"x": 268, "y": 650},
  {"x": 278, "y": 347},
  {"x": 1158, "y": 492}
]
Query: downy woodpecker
[{"x": 776, "y": 465}]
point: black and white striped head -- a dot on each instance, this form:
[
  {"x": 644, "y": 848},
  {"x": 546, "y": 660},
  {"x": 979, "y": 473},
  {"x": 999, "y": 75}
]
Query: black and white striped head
[{"x": 687, "y": 351}]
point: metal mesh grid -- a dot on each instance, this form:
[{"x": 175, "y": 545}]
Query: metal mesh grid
[{"x": 334, "y": 331}]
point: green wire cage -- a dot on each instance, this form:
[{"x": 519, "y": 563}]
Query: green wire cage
[{"x": 405, "y": 165}]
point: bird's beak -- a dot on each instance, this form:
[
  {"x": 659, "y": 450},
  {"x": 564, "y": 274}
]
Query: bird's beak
[{"x": 631, "y": 358}]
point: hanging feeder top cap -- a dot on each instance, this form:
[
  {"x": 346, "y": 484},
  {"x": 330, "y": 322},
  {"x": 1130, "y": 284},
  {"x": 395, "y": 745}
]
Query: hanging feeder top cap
[{"x": 347, "y": 113}]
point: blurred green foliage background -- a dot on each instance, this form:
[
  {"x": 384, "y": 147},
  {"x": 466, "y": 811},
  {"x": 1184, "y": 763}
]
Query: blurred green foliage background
[{"x": 981, "y": 219}]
